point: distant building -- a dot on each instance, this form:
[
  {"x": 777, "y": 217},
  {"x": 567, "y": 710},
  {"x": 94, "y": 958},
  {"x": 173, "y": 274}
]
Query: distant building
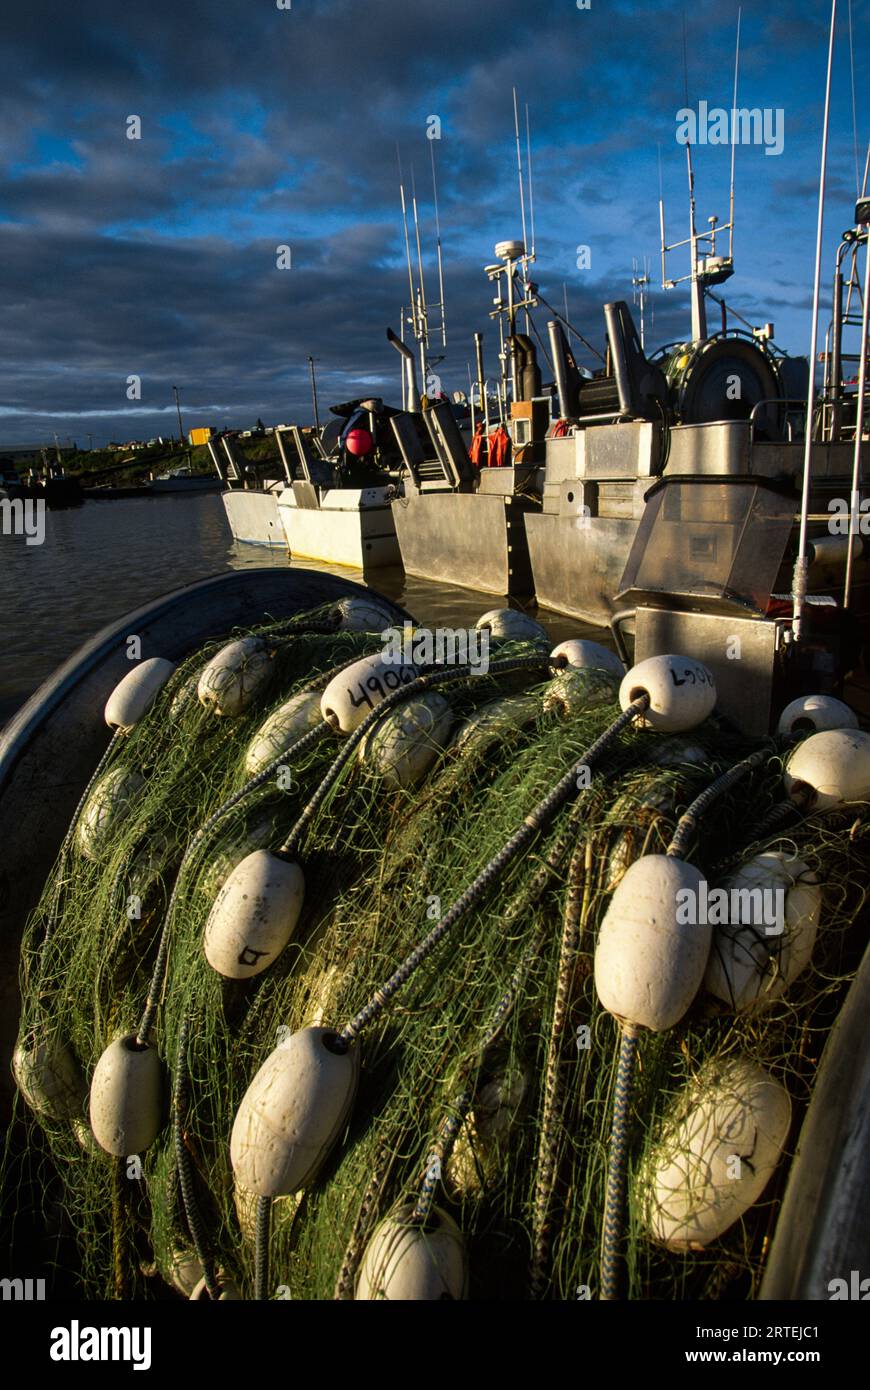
[{"x": 201, "y": 435}]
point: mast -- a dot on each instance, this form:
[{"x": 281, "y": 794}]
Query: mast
[{"x": 799, "y": 578}]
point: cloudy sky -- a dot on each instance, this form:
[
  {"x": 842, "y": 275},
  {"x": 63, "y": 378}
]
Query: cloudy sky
[{"x": 264, "y": 127}]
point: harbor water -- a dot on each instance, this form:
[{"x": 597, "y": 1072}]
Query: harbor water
[{"x": 104, "y": 559}]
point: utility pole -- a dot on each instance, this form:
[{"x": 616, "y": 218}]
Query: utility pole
[
  {"x": 313, "y": 391},
  {"x": 180, "y": 426}
]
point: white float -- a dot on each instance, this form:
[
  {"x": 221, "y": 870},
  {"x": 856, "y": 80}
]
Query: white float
[
  {"x": 185, "y": 1272},
  {"x": 715, "y": 1154},
  {"x": 404, "y": 1261},
  {"x": 648, "y": 964},
  {"x": 403, "y": 747},
  {"x": 753, "y": 960},
  {"x": 510, "y": 624},
  {"x": 363, "y": 615},
  {"x": 254, "y": 915},
  {"x": 816, "y": 713},
  {"x": 481, "y": 1149},
  {"x": 834, "y": 766},
  {"x": 292, "y": 1113},
  {"x": 682, "y": 692},
  {"x": 257, "y": 834},
  {"x": 110, "y": 802},
  {"x": 583, "y": 655},
  {"x": 127, "y": 1097},
  {"x": 490, "y": 721},
  {"x": 578, "y": 689},
  {"x": 280, "y": 731},
  {"x": 50, "y": 1079},
  {"x": 352, "y": 695},
  {"x": 234, "y": 677},
  {"x": 133, "y": 696}
]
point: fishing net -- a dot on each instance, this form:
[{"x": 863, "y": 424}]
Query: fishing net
[{"x": 496, "y": 1039}]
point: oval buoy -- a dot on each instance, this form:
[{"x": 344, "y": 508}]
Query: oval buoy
[
  {"x": 49, "y": 1078},
  {"x": 584, "y": 655},
  {"x": 133, "y": 696},
  {"x": 830, "y": 769},
  {"x": 773, "y": 906},
  {"x": 234, "y": 677},
  {"x": 510, "y": 624},
  {"x": 715, "y": 1153},
  {"x": 352, "y": 695},
  {"x": 404, "y": 746},
  {"x": 126, "y": 1104},
  {"x": 363, "y": 615},
  {"x": 110, "y": 802},
  {"x": 814, "y": 713},
  {"x": 681, "y": 692},
  {"x": 407, "y": 1260},
  {"x": 282, "y": 728},
  {"x": 254, "y": 915},
  {"x": 293, "y": 1112},
  {"x": 652, "y": 950}
]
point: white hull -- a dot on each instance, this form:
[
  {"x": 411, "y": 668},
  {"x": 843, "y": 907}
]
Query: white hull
[
  {"x": 349, "y": 526},
  {"x": 253, "y": 517}
]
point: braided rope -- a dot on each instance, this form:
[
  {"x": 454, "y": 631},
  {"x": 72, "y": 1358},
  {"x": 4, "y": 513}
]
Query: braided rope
[
  {"x": 185, "y": 1172},
  {"x": 689, "y": 819},
  {"x": 614, "y": 1201},
  {"x": 261, "y": 1248},
  {"x": 545, "y": 1178},
  {"x": 521, "y": 838}
]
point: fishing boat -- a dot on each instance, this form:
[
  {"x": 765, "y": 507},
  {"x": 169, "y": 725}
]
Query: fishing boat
[{"x": 250, "y": 501}]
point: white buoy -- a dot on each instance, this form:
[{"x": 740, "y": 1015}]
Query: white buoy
[
  {"x": 650, "y": 960},
  {"x": 510, "y": 624},
  {"x": 293, "y": 1112},
  {"x": 403, "y": 747},
  {"x": 832, "y": 767},
  {"x": 254, "y": 915},
  {"x": 110, "y": 802},
  {"x": 682, "y": 692},
  {"x": 50, "y": 1079},
  {"x": 773, "y": 909},
  {"x": 133, "y": 696},
  {"x": 352, "y": 695},
  {"x": 816, "y": 713},
  {"x": 404, "y": 1261},
  {"x": 363, "y": 615},
  {"x": 185, "y": 697},
  {"x": 578, "y": 689},
  {"x": 715, "y": 1154},
  {"x": 586, "y": 655},
  {"x": 482, "y": 1146},
  {"x": 185, "y": 1272},
  {"x": 127, "y": 1097},
  {"x": 489, "y": 722},
  {"x": 235, "y": 676},
  {"x": 284, "y": 726}
]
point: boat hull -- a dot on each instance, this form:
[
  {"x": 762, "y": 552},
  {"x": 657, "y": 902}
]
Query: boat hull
[
  {"x": 253, "y": 517},
  {"x": 475, "y": 540},
  {"x": 342, "y": 526}
]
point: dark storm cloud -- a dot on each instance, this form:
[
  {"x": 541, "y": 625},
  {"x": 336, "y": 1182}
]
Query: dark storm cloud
[{"x": 264, "y": 127}]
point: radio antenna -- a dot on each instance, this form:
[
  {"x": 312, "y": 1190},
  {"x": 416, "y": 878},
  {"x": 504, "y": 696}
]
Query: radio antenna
[
  {"x": 520, "y": 167},
  {"x": 438, "y": 244},
  {"x": 407, "y": 244},
  {"x": 531, "y": 190},
  {"x": 733, "y": 129}
]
